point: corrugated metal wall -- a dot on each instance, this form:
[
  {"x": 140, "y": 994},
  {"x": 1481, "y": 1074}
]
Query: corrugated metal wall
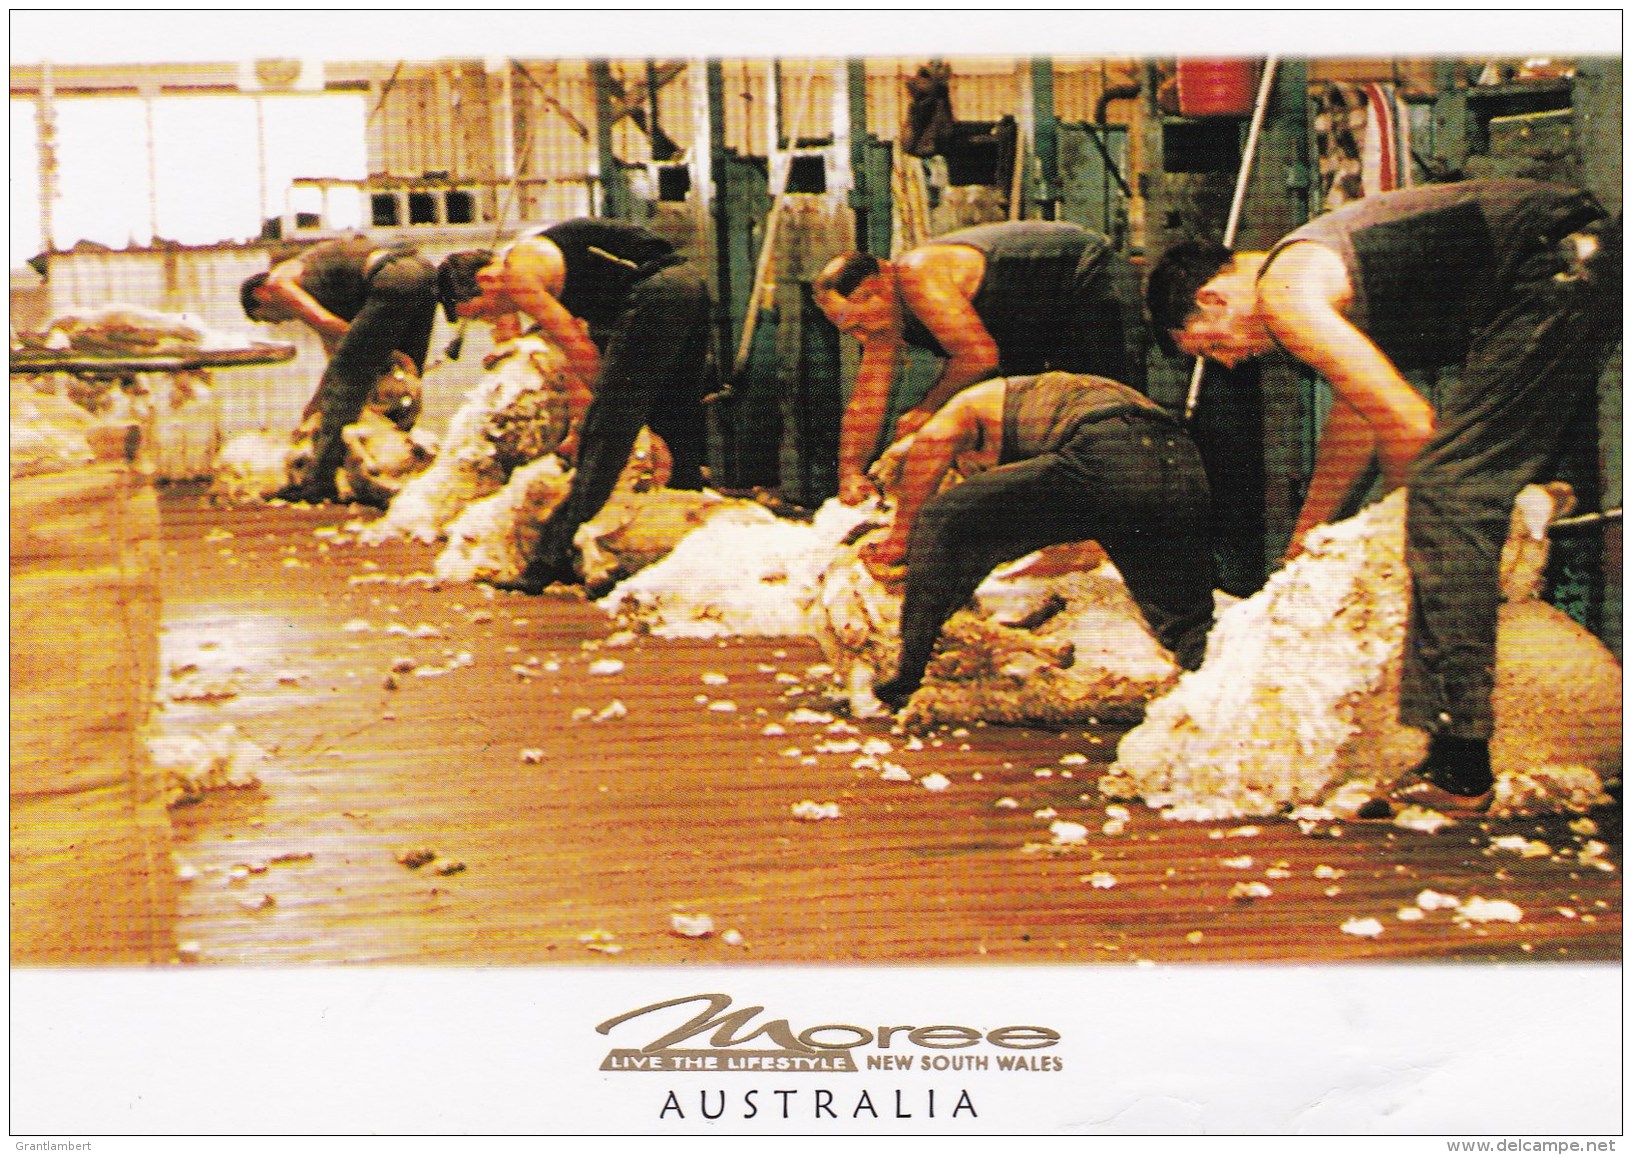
[{"x": 445, "y": 118}]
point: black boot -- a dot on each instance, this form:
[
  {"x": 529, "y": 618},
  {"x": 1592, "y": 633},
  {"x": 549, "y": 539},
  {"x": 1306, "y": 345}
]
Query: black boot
[
  {"x": 315, "y": 482},
  {"x": 535, "y": 577},
  {"x": 306, "y": 492},
  {"x": 895, "y": 692},
  {"x": 1454, "y": 778}
]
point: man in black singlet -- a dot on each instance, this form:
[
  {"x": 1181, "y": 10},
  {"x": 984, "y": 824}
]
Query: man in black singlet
[
  {"x": 632, "y": 318},
  {"x": 367, "y": 302},
  {"x": 1017, "y": 297},
  {"x": 1049, "y": 459},
  {"x": 1517, "y": 283}
]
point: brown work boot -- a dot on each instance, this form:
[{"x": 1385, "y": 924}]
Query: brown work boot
[{"x": 1414, "y": 789}]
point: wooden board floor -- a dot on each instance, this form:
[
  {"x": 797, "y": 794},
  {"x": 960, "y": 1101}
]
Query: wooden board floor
[{"x": 569, "y": 827}]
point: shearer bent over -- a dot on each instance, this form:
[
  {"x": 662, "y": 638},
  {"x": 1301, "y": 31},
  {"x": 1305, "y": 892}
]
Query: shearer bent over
[
  {"x": 1014, "y": 297},
  {"x": 1054, "y": 458},
  {"x": 632, "y": 317},
  {"x": 1515, "y": 283},
  {"x": 369, "y": 302}
]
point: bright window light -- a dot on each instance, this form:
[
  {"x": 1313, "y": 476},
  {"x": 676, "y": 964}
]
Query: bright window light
[
  {"x": 102, "y": 173},
  {"x": 25, "y": 189},
  {"x": 316, "y": 136},
  {"x": 206, "y": 172},
  {"x": 219, "y": 166}
]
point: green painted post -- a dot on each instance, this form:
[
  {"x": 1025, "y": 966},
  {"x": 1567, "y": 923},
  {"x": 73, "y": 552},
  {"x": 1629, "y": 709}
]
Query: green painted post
[
  {"x": 1045, "y": 128},
  {"x": 861, "y": 191},
  {"x": 615, "y": 202}
]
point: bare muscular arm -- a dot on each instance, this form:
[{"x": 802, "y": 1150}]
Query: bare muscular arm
[
  {"x": 962, "y": 433},
  {"x": 283, "y": 284},
  {"x": 934, "y": 447},
  {"x": 938, "y": 288},
  {"x": 1302, "y": 297},
  {"x": 532, "y": 270},
  {"x": 864, "y": 416}
]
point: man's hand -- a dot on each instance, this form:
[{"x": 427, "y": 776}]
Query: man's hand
[
  {"x": 856, "y": 489},
  {"x": 888, "y": 551},
  {"x": 911, "y": 422},
  {"x": 886, "y": 560}
]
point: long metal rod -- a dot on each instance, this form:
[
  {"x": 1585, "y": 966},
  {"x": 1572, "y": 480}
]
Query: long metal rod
[
  {"x": 1265, "y": 83},
  {"x": 1586, "y": 520},
  {"x": 1253, "y": 130}
]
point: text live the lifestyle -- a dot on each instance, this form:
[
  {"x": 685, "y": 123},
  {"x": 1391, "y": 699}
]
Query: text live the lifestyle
[
  {"x": 626, "y": 1060},
  {"x": 828, "y": 1048}
]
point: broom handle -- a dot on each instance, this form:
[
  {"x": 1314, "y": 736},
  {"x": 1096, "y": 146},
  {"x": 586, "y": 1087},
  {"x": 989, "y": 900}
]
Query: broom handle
[{"x": 768, "y": 245}]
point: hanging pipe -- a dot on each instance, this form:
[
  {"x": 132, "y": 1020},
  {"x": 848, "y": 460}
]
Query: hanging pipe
[
  {"x": 1101, "y": 108},
  {"x": 1259, "y": 105}
]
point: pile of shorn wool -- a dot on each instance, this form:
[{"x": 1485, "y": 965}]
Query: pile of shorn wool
[{"x": 1296, "y": 702}]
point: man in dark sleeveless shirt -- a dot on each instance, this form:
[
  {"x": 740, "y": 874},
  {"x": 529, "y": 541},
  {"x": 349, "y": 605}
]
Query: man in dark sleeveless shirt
[
  {"x": 368, "y": 302},
  {"x": 1017, "y": 297},
  {"x": 1515, "y": 282},
  {"x": 1049, "y": 459},
  {"x": 632, "y": 318}
]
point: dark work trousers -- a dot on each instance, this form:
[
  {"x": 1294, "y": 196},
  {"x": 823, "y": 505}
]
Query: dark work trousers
[
  {"x": 652, "y": 375},
  {"x": 396, "y": 317},
  {"x": 1501, "y": 426},
  {"x": 1132, "y": 483}
]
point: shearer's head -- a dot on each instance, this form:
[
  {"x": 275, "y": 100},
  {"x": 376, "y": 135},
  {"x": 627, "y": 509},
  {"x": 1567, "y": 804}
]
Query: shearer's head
[
  {"x": 462, "y": 287},
  {"x": 856, "y": 291},
  {"x": 250, "y": 298},
  {"x": 1203, "y": 302}
]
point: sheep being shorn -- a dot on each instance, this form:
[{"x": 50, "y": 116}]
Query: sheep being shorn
[
  {"x": 640, "y": 523},
  {"x": 383, "y": 449},
  {"x": 516, "y": 413},
  {"x": 1296, "y": 701},
  {"x": 381, "y": 458},
  {"x": 1051, "y": 639},
  {"x": 1044, "y": 645}
]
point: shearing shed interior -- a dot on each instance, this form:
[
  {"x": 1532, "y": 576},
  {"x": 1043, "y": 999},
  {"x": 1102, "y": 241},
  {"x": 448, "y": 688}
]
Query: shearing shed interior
[{"x": 249, "y": 729}]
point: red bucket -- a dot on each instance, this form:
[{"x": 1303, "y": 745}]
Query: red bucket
[{"x": 1217, "y": 87}]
